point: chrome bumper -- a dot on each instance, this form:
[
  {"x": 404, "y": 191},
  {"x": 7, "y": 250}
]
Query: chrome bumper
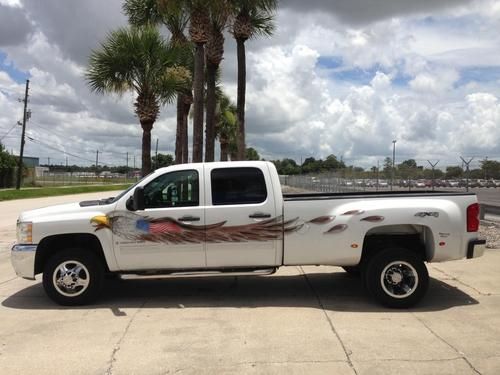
[
  {"x": 22, "y": 258},
  {"x": 476, "y": 248}
]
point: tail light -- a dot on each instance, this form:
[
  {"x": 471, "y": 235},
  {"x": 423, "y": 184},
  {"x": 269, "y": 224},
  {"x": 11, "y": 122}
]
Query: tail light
[{"x": 473, "y": 218}]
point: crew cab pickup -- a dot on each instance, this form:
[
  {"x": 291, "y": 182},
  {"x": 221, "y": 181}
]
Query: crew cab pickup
[{"x": 232, "y": 219}]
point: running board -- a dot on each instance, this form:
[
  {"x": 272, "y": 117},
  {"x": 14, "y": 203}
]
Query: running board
[{"x": 211, "y": 273}]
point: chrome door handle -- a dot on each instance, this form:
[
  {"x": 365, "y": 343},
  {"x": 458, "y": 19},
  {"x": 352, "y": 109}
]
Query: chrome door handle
[
  {"x": 259, "y": 215},
  {"x": 189, "y": 218}
]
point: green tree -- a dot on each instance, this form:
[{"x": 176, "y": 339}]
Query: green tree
[
  {"x": 175, "y": 19},
  {"x": 252, "y": 18},
  {"x": 387, "y": 169},
  {"x": 139, "y": 60},
  {"x": 311, "y": 165},
  {"x": 287, "y": 167},
  {"x": 407, "y": 169},
  {"x": 490, "y": 168},
  {"x": 7, "y": 164},
  {"x": 226, "y": 126},
  {"x": 332, "y": 163},
  {"x": 251, "y": 154},
  {"x": 454, "y": 172},
  {"x": 219, "y": 14},
  {"x": 164, "y": 160}
]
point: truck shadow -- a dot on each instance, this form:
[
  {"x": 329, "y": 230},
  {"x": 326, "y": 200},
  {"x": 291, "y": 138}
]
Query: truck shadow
[{"x": 332, "y": 291}]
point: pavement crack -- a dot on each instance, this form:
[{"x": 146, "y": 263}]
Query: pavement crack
[
  {"x": 454, "y": 278},
  {"x": 443, "y": 340},
  {"x": 409, "y": 360},
  {"x": 347, "y": 352},
  {"x": 6, "y": 281},
  {"x": 117, "y": 346}
]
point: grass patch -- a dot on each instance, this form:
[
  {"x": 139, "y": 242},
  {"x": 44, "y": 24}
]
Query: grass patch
[{"x": 10, "y": 194}]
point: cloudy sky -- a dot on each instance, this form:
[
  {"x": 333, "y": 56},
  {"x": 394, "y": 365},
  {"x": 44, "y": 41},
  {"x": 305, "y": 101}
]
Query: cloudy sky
[{"x": 340, "y": 76}]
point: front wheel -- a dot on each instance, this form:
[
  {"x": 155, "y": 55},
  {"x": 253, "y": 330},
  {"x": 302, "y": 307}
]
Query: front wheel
[
  {"x": 396, "y": 277},
  {"x": 73, "y": 277}
]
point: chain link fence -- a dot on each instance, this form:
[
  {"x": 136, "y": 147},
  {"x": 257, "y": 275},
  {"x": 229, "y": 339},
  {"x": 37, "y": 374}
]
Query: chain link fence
[{"x": 340, "y": 182}]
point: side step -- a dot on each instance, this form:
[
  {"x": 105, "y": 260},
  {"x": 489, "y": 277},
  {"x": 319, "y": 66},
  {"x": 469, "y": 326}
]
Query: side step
[{"x": 207, "y": 273}]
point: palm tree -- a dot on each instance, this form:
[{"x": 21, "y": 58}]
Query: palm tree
[
  {"x": 251, "y": 18},
  {"x": 175, "y": 19},
  {"x": 214, "y": 54},
  {"x": 139, "y": 60},
  {"x": 199, "y": 32},
  {"x": 226, "y": 126}
]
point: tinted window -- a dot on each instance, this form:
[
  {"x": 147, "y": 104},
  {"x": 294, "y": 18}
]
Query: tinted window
[
  {"x": 238, "y": 186},
  {"x": 174, "y": 189}
]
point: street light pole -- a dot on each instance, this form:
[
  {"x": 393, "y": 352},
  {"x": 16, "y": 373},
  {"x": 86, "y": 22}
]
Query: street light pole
[{"x": 393, "y": 162}]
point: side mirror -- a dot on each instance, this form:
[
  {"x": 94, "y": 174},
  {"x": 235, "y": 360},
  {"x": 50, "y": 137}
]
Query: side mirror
[{"x": 136, "y": 203}]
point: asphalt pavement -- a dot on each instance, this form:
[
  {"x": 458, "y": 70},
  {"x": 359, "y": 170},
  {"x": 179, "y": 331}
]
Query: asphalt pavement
[{"x": 312, "y": 320}]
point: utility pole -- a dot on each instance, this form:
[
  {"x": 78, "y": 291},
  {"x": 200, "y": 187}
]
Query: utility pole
[
  {"x": 48, "y": 161},
  {"x": 156, "y": 154},
  {"x": 96, "y": 162},
  {"x": 126, "y": 170},
  {"x": 66, "y": 162},
  {"x": 393, "y": 162},
  {"x": 378, "y": 169},
  {"x": 21, "y": 152},
  {"x": 433, "y": 166}
]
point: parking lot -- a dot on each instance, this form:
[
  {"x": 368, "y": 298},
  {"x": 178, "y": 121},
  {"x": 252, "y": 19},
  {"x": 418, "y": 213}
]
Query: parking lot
[{"x": 311, "y": 320}]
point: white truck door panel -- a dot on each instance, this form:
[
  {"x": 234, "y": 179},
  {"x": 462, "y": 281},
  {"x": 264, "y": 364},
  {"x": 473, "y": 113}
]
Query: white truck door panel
[
  {"x": 170, "y": 232},
  {"x": 242, "y": 199}
]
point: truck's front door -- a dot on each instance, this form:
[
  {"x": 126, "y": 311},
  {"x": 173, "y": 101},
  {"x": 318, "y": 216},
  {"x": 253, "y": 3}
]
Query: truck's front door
[
  {"x": 247, "y": 229},
  {"x": 170, "y": 232}
]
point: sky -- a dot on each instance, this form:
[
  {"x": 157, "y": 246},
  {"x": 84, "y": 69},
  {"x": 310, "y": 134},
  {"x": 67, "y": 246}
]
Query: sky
[{"x": 343, "y": 77}]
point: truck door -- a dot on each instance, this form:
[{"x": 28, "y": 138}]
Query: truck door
[
  {"x": 247, "y": 230},
  {"x": 170, "y": 232}
]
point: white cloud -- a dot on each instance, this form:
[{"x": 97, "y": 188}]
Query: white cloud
[{"x": 342, "y": 77}]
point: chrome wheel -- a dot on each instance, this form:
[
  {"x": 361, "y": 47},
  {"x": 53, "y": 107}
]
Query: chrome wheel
[
  {"x": 399, "y": 279},
  {"x": 71, "y": 278}
]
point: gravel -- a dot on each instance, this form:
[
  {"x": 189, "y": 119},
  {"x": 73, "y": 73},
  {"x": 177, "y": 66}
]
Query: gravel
[{"x": 491, "y": 231}]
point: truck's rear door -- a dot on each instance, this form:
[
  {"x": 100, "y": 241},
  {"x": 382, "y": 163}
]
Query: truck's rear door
[{"x": 252, "y": 232}]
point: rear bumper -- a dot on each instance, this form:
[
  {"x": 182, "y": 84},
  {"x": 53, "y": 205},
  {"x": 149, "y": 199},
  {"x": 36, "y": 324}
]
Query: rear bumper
[
  {"x": 22, "y": 258},
  {"x": 476, "y": 248}
]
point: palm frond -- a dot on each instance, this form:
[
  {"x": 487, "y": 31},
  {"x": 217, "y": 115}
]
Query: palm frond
[{"x": 142, "y": 12}]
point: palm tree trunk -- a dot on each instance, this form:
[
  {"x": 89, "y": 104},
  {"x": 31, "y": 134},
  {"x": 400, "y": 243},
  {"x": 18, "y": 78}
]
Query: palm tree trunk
[
  {"x": 234, "y": 155},
  {"x": 185, "y": 146},
  {"x": 242, "y": 86},
  {"x": 199, "y": 78},
  {"x": 223, "y": 150},
  {"x": 178, "y": 134},
  {"x": 211, "y": 106},
  {"x": 146, "y": 147}
]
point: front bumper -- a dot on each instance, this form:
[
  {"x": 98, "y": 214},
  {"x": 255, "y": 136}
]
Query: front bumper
[
  {"x": 22, "y": 258},
  {"x": 476, "y": 248}
]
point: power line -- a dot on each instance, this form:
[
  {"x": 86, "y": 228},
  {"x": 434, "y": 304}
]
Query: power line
[{"x": 6, "y": 134}]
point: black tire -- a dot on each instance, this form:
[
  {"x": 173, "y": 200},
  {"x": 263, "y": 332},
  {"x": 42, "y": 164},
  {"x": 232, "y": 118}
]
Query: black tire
[
  {"x": 353, "y": 270},
  {"x": 396, "y": 277},
  {"x": 82, "y": 267}
]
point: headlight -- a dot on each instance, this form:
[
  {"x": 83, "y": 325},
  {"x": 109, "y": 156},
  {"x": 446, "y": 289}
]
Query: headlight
[{"x": 24, "y": 232}]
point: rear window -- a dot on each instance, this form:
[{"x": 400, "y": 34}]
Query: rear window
[{"x": 238, "y": 186}]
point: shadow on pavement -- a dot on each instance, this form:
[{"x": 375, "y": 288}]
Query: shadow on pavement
[{"x": 337, "y": 292}]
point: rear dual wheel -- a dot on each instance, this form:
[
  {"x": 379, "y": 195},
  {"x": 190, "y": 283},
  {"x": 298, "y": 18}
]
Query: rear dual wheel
[{"x": 396, "y": 277}]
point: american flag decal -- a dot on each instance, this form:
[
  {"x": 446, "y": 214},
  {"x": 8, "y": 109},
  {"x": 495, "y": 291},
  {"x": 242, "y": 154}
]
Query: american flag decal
[{"x": 133, "y": 227}]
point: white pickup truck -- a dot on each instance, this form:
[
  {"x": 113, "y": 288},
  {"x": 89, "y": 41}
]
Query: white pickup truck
[{"x": 232, "y": 219}]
